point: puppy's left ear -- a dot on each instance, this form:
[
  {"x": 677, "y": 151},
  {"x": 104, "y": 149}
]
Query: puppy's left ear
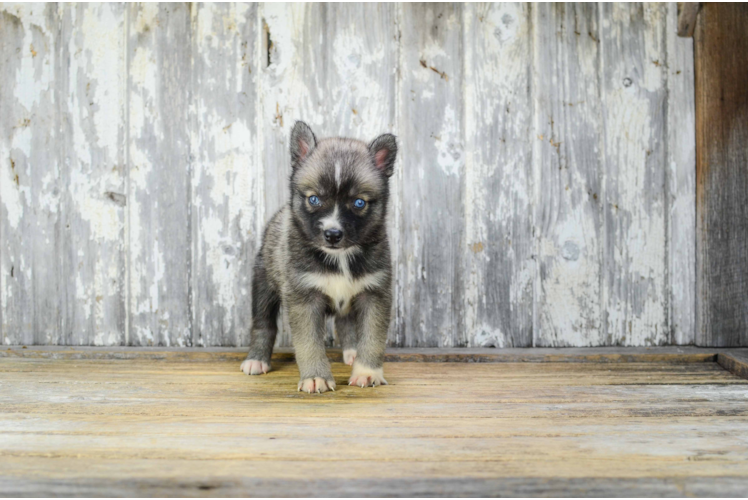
[
  {"x": 383, "y": 150},
  {"x": 303, "y": 143}
]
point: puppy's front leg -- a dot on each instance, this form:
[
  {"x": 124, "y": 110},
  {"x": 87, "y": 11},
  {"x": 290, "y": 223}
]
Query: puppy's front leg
[
  {"x": 306, "y": 316},
  {"x": 345, "y": 326},
  {"x": 372, "y": 317}
]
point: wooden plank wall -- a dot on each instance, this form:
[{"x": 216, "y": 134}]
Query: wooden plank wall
[
  {"x": 722, "y": 174},
  {"x": 544, "y": 193}
]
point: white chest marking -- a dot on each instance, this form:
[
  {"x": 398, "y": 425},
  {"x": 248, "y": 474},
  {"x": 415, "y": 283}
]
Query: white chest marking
[{"x": 341, "y": 288}]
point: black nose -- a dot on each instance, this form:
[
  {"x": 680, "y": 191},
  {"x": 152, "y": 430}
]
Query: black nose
[{"x": 333, "y": 235}]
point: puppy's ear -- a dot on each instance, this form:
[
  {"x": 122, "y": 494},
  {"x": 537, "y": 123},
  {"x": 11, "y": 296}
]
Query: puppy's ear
[
  {"x": 383, "y": 150},
  {"x": 303, "y": 143}
]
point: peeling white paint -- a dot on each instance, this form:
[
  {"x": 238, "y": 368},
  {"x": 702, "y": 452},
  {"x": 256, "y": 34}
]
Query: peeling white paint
[{"x": 474, "y": 223}]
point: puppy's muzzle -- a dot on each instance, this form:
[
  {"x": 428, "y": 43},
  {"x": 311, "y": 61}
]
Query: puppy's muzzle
[{"x": 333, "y": 236}]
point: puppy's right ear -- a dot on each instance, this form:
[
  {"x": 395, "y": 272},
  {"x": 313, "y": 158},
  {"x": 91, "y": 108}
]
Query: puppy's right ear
[{"x": 303, "y": 143}]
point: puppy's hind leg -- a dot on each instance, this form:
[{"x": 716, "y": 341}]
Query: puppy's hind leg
[{"x": 265, "y": 308}]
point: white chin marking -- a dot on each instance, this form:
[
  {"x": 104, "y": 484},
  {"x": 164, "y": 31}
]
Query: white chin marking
[
  {"x": 363, "y": 376},
  {"x": 254, "y": 367},
  {"x": 316, "y": 384},
  {"x": 349, "y": 356}
]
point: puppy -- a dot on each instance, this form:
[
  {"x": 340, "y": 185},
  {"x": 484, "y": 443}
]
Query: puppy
[{"x": 326, "y": 253}]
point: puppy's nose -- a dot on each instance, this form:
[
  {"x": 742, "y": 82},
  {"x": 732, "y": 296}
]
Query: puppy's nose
[{"x": 333, "y": 235}]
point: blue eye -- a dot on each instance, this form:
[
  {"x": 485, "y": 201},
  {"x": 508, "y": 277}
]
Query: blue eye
[
  {"x": 314, "y": 200},
  {"x": 359, "y": 203}
]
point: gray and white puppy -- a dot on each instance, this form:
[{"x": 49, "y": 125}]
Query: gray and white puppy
[{"x": 326, "y": 253}]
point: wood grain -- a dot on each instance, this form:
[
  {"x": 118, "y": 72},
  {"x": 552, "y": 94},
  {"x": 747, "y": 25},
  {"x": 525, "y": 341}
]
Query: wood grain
[
  {"x": 567, "y": 151},
  {"x": 92, "y": 92},
  {"x": 227, "y": 180},
  {"x": 681, "y": 184},
  {"x": 430, "y": 114},
  {"x": 634, "y": 94},
  {"x": 142, "y": 149},
  {"x": 722, "y": 176},
  {"x": 400, "y": 354},
  {"x": 30, "y": 186},
  {"x": 498, "y": 250},
  {"x": 195, "y": 428},
  {"x": 159, "y": 158}
]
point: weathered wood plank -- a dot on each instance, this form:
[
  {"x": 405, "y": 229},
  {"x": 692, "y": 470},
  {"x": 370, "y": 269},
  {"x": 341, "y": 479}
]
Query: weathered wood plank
[
  {"x": 430, "y": 115},
  {"x": 721, "y": 68},
  {"x": 566, "y": 148},
  {"x": 185, "y": 425},
  {"x": 92, "y": 90},
  {"x": 227, "y": 179},
  {"x": 498, "y": 196},
  {"x": 634, "y": 93},
  {"x": 200, "y": 483},
  {"x": 158, "y": 198},
  {"x": 30, "y": 169},
  {"x": 735, "y": 361},
  {"x": 686, "y": 17},
  {"x": 424, "y": 355},
  {"x": 681, "y": 185}
]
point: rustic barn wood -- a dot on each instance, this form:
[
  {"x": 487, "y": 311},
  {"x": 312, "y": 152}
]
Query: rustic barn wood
[
  {"x": 227, "y": 181},
  {"x": 31, "y": 190},
  {"x": 499, "y": 251},
  {"x": 721, "y": 68},
  {"x": 432, "y": 153},
  {"x": 567, "y": 149},
  {"x": 105, "y": 427},
  {"x": 92, "y": 100},
  {"x": 687, "y": 12},
  {"x": 543, "y": 196},
  {"x": 159, "y": 91},
  {"x": 634, "y": 140},
  {"x": 681, "y": 185}
]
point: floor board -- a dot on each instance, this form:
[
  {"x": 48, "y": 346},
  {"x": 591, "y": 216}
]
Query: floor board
[{"x": 139, "y": 427}]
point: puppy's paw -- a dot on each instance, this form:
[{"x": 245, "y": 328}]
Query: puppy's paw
[
  {"x": 316, "y": 384},
  {"x": 254, "y": 367},
  {"x": 349, "y": 356},
  {"x": 363, "y": 376}
]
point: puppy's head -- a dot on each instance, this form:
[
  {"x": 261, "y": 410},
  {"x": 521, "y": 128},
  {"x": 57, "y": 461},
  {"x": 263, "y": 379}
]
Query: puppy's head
[{"x": 339, "y": 188}]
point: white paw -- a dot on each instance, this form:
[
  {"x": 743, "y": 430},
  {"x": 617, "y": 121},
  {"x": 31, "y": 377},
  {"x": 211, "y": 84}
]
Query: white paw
[
  {"x": 254, "y": 367},
  {"x": 349, "y": 356},
  {"x": 363, "y": 376},
  {"x": 316, "y": 384}
]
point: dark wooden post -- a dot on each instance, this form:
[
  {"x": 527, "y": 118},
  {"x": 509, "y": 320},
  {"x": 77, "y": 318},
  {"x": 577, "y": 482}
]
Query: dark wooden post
[{"x": 721, "y": 71}]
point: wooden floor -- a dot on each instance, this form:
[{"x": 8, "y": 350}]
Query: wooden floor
[{"x": 196, "y": 426}]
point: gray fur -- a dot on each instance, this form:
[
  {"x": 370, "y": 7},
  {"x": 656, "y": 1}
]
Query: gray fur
[{"x": 299, "y": 270}]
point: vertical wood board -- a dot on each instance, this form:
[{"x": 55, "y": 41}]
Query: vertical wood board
[
  {"x": 30, "y": 180},
  {"x": 567, "y": 152},
  {"x": 159, "y": 97},
  {"x": 634, "y": 98},
  {"x": 226, "y": 175},
  {"x": 721, "y": 69},
  {"x": 92, "y": 90},
  {"x": 681, "y": 186},
  {"x": 431, "y": 138}
]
